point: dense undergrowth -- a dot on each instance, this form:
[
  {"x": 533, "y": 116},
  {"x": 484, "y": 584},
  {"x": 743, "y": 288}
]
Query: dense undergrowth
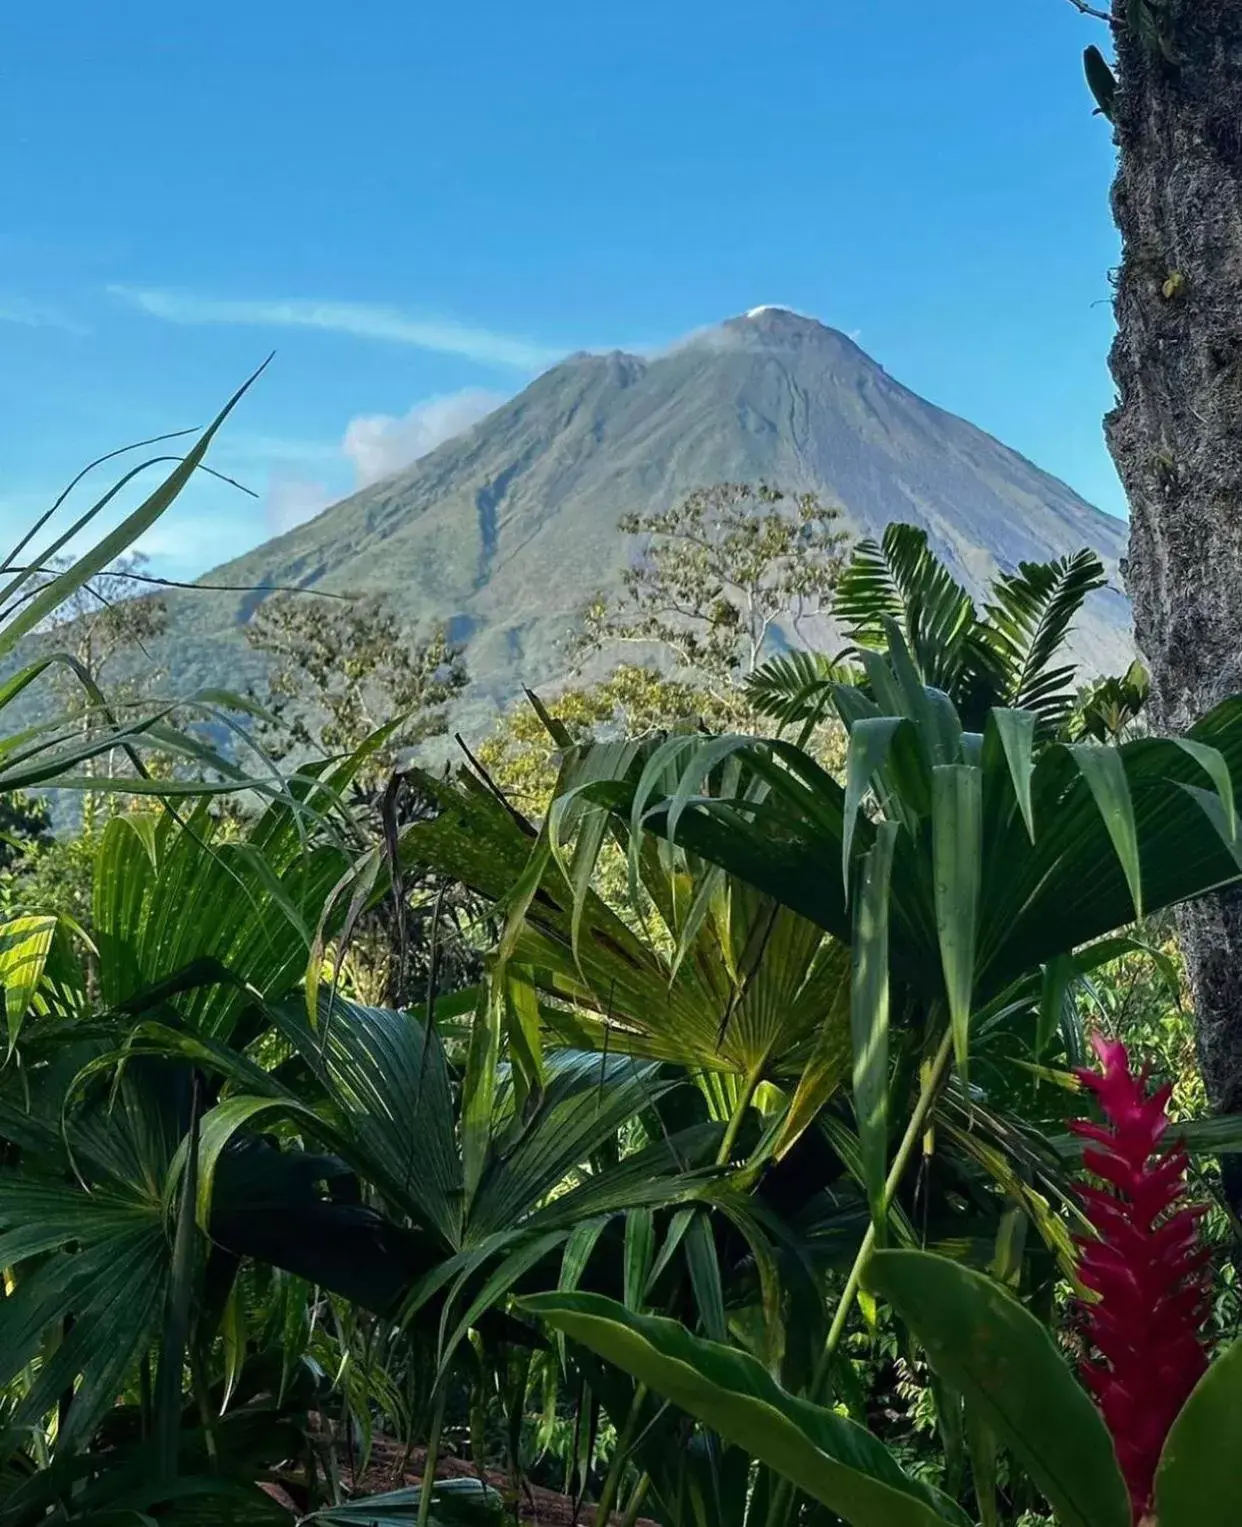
[{"x": 677, "y": 1120}]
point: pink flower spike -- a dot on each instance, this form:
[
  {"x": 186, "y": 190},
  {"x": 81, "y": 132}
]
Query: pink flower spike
[{"x": 1145, "y": 1265}]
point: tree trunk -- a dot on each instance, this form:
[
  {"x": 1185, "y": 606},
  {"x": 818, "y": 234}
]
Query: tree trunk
[{"x": 1176, "y": 431}]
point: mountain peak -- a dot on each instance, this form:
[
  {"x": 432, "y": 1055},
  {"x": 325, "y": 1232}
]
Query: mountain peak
[
  {"x": 771, "y": 327},
  {"x": 777, "y": 307},
  {"x": 504, "y": 533}
]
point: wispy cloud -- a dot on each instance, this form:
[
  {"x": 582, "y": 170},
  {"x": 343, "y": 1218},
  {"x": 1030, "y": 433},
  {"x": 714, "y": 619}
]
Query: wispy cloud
[
  {"x": 34, "y": 315},
  {"x": 361, "y": 319},
  {"x": 381, "y": 444}
]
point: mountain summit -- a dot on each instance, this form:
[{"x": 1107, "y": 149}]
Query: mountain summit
[{"x": 506, "y": 531}]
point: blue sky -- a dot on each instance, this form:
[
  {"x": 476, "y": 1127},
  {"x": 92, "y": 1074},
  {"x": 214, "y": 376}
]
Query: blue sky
[{"x": 420, "y": 206}]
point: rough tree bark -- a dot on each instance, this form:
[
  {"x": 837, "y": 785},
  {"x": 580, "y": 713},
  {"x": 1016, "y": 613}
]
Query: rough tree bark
[{"x": 1176, "y": 432}]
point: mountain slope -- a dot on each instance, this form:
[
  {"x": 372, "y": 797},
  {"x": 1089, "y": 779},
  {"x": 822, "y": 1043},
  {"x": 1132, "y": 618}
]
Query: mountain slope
[{"x": 505, "y": 531}]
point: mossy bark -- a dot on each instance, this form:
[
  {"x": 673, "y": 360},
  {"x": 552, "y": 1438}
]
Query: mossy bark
[{"x": 1176, "y": 431}]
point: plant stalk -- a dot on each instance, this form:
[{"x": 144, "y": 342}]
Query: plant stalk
[
  {"x": 179, "y": 1309},
  {"x": 747, "y": 1096},
  {"x": 433, "y": 1456},
  {"x": 620, "y": 1457},
  {"x": 635, "y": 1504},
  {"x": 782, "y": 1495},
  {"x": 914, "y": 1131}
]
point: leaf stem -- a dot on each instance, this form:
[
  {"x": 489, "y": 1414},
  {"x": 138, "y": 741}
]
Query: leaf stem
[
  {"x": 747, "y": 1096},
  {"x": 782, "y": 1495},
  {"x": 914, "y": 1131},
  {"x": 636, "y": 1500},
  {"x": 433, "y": 1455},
  {"x": 620, "y": 1458}
]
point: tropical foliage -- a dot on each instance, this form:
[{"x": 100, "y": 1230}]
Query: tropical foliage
[{"x": 697, "y": 1137}]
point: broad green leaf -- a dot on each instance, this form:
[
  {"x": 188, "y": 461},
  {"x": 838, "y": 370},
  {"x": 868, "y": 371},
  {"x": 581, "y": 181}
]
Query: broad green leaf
[
  {"x": 870, "y": 741},
  {"x": 700, "y": 1247},
  {"x": 1016, "y": 730},
  {"x": 938, "y": 722},
  {"x": 1105, "y": 773},
  {"x": 579, "y": 1249},
  {"x": 740, "y": 1208},
  {"x": 25, "y": 943},
  {"x": 639, "y": 1255},
  {"x": 957, "y": 850},
  {"x": 219, "y": 1125},
  {"x": 1212, "y": 762},
  {"x": 509, "y": 1270},
  {"x": 524, "y": 1027},
  {"x": 103, "y": 1260},
  {"x": 981, "y": 1446},
  {"x": 822, "y": 1075},
  {"x": 1199, "y": 1480},
  {"x": 676, "y": 1234},
  {"x": 883, "y": 684},
  {"x": 869, "y": 1017},
  {"x": 386, "y": 1076},
  {"x": 479, "y": 1086},
  {"x": 1058, "y": 974},
  {"x": 1008, "y": 1369},
  {"x": 233, "y": 1341},
  {"x": 586, "y": 1100},
  {"x": 830, "y": 1458}
]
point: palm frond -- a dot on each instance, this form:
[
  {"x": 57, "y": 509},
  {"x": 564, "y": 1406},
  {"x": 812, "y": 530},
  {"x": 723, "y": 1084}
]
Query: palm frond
[
  {"x": 795, "y": 689},
  {"x": 1028, "y": 618},
  {"x": 901, "y": 579}
]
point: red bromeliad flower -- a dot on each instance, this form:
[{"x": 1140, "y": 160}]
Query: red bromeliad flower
[{"x": 1146, "y": 1267}]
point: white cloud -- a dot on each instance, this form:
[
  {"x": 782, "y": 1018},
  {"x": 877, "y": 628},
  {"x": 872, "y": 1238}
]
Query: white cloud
[
  {"x": 291, "y": 501},
  {"x": 381, "y": 444},
  {"x": 361, "y": 319}
]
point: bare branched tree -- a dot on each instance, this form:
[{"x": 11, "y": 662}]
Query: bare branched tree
[{"x": 717, "y": 575}]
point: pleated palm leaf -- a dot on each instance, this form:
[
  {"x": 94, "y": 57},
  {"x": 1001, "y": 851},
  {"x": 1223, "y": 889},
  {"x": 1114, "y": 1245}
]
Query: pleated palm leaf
[
  {"x": 970, "y": 871},
  {"x": 342, "y": 1150},
  {"x": 713, "y": 974},
  {"x": 193, "y": 935},
  {"x": 466, "y": 1174},
  {"x": 373, "y": 1178},
  {"x": 60, "y": 751},
  {"x": 176, "y": 896},
  {"x": 608, "y": 982},
  {"x": 1001, "y": 859}
]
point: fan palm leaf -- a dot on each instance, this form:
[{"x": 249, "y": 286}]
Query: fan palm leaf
[{"x": 720, "y": 976}]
